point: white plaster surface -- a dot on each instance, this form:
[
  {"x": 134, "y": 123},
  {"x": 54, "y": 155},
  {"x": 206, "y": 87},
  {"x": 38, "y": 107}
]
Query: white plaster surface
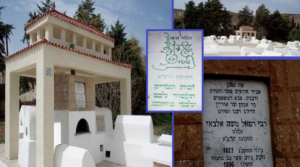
[
  {"x": 69, "y": 156},
  {"x": 253, "y": 54},
  {"x": 248, "y": 47},
  {"x": 124, "y": 153},
  {"x": 165, "y": 140},
  {"x": 131, "y": 136},
  {"x": 266, "y": 46},
  {"x": 27, "y": 152},
  {"x": 57, "y": 134},
  {"x": 61, "y": 117},
  {"x": 89, "y": 143},
  {"x": 29, "y": 123},
  {"x": 157, "y": 153},
  {"x": 246, "y": 50},
  {"x": 170, "y": 66},
  {"x": 270, "y": 53},
  {"x": 246, "y": 106},
  {"x": 135, "y": 129},
  {"x": 107, "y": 117}
]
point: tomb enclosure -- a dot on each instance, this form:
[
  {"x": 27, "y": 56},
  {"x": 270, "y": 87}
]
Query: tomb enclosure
[
  {"x": 246, "y": 38},
  {"x": 68, "y": 58}
]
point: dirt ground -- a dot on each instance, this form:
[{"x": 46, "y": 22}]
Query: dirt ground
[{"x": 158, "y": 130}]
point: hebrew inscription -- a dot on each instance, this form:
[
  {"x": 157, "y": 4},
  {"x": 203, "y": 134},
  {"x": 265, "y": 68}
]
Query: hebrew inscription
[
  {"x": 174, "y": 70},
  {"x": 236, "y": 124},
  {"x": 80, "y": 95}
]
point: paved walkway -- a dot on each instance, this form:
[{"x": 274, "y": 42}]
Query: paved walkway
[
  {"x": 14, "y": 163},
  {"x": 4, "y": 162},
  {"x": 109, "y": 164}
]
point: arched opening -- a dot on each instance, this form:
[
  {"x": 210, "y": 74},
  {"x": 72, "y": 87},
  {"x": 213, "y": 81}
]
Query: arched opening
[{"x": 82, "y": 127}]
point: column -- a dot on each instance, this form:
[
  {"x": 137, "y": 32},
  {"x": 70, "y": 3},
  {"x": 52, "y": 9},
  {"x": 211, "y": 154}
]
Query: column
[
  {"x": 11, "y": 115},
  {"x": 90, "y": 93},
  {"x": 109, "y": 51},
  {"x": 74, "y": 39},
  {"x": 93, "y": 45},
  {"x": 49, "y": 32},
  {"x": 84, "y": 43},
  {"x": 125, "y": 90},
  {"x": 102, "y": 48},
  {"x": 30, "y": 39},
  {"x": 38, "y": 35},
  {"x": 44, "y": 114},
  {"x": 63, "y": 35}
]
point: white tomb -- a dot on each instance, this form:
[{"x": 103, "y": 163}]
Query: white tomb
[
  {"x": 90, "y": 136},
  {"x": 246, "y": 50},
  {"x": 223, "y": 39},
  {"x": 69, "y": 156}
]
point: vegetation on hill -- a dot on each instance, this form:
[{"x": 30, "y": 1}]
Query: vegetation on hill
[
  {"x": 213, "y": 17},
  {"x": 245, "y": 17},
  {"x": 5, "y": 32}
]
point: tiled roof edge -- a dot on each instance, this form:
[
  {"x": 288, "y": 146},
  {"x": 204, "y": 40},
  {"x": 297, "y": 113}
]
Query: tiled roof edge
[
  {"x": 72, "y": 21},
  {"x": 45, "y": 41}
]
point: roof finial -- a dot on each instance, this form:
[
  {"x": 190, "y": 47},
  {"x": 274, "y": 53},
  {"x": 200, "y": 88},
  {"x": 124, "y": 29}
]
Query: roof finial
[{"x": 53, "y": 5}]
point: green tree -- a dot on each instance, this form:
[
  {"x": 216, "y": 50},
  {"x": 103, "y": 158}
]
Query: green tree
[
  {"x": 211, "y": 16},
  {"x": 108, "y": 94},
  {"x": 245, "y": 17},
  {"x": 262, "y": 21},
  {"x": 278, "y": 27},
  {"x": 191, "y": 16},
  {"x": 297, "y": 26},
  {"x": 46, "y": 6},
  {"x": 85, "y": 13},
  {"x": 129, "y": 52},
  {"x": 216, "y": 19},
  {"x": 178, "y": 23},
  {"x": 294, "y": 35},
  {"x": 5, "y": 32},
  {"x": 117, "y": 32},
  {"x": 26, "y": 83},
  {"x": 293, "y": 23},
  {"x": 32, "y": 16}
]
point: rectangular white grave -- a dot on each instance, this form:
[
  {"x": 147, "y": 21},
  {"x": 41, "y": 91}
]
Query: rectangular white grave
[
  {"x": 174, "y": 70},
  {"x": 236, "y": 124},
  {"x": 80, "y": 95}
]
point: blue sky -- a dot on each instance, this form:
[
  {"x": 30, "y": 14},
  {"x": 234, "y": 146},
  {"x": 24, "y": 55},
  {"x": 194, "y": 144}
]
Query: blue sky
[
  {"x": 284, "y": 6},
  {"x": 137, "y": 15}
]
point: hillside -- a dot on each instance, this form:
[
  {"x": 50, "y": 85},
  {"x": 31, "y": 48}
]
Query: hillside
[
  {"x": 235, "y": 19},
  {"x": 296, "y": 17},
  {"x": 178, "y": 13}
]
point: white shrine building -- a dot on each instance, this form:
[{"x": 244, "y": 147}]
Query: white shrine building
[
  {"x": 68, "y": 58},
  {"x": 246, "y": 31}
]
